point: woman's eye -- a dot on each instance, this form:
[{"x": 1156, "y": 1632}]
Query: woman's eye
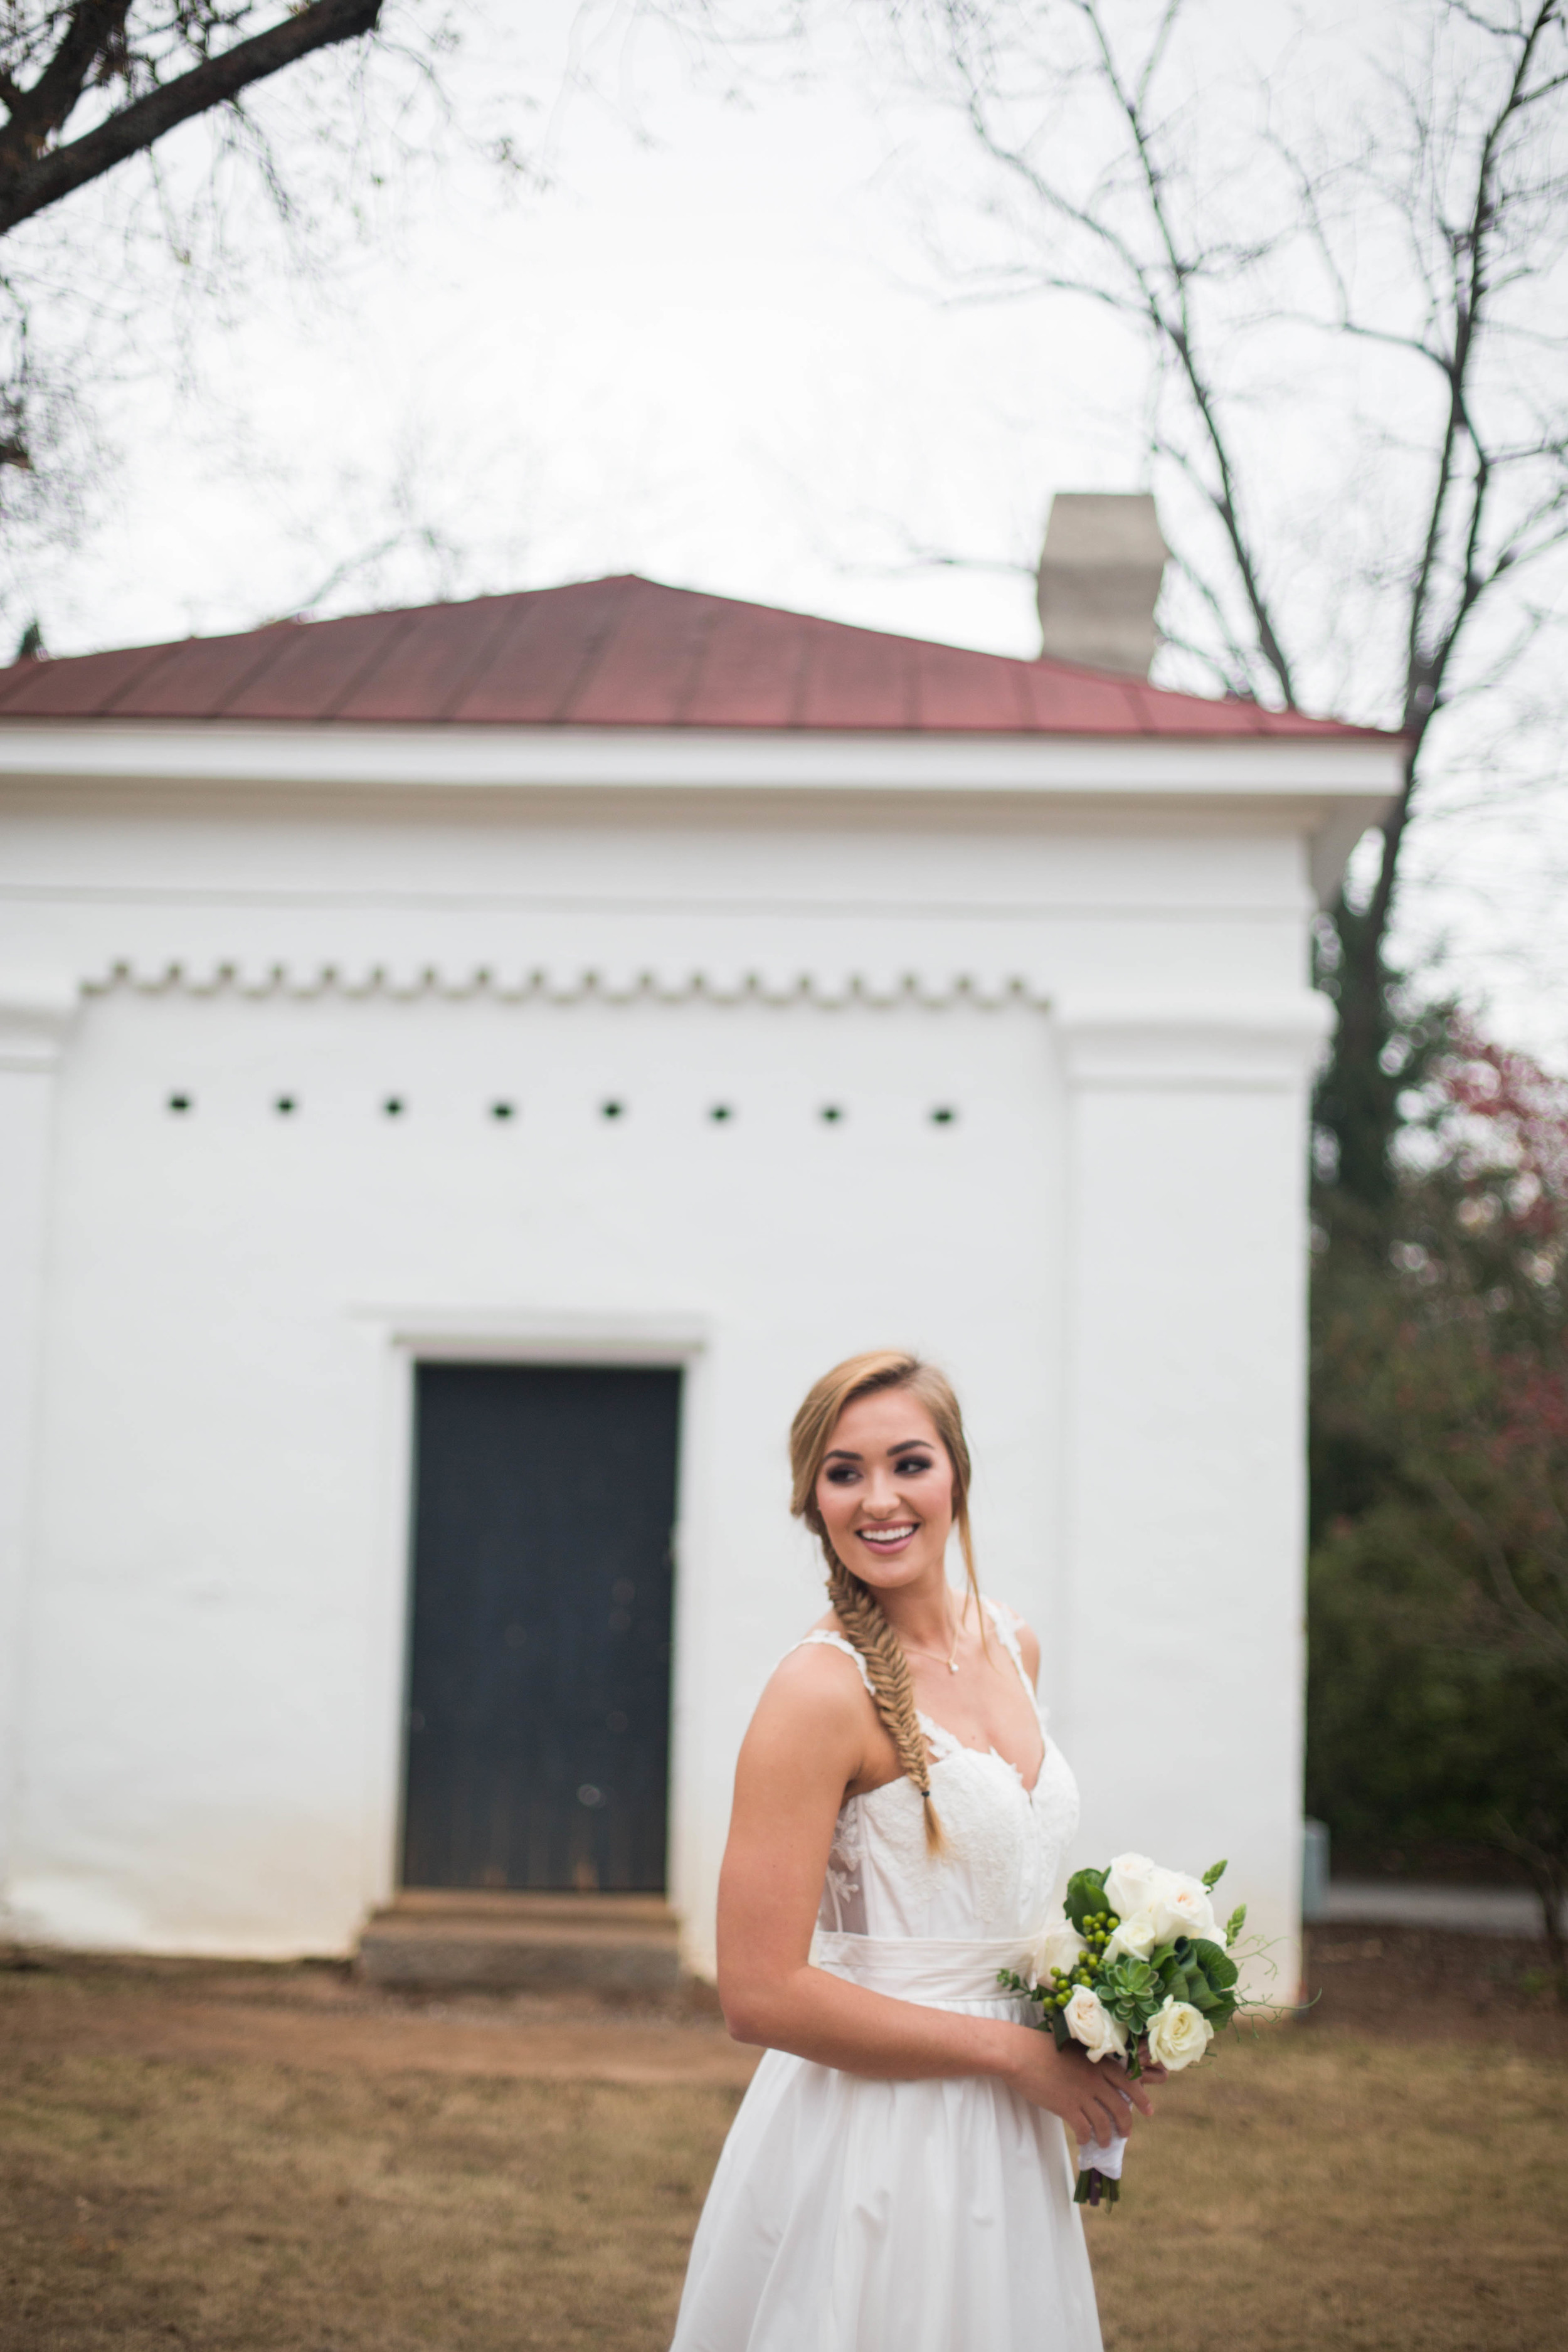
[
  {"x": 840, "y": 1474},
  {"x": 913, "y": 1465}
]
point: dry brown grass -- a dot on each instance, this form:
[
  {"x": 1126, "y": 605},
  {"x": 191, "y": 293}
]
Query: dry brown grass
[
  {"x": 1313, "y": 2189},
  {"x": 150, "y": 2204}
]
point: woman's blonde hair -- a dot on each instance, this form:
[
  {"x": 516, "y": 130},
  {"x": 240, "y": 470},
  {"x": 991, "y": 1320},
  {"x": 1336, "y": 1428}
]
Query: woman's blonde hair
[{"x": 855, "y": 1604}]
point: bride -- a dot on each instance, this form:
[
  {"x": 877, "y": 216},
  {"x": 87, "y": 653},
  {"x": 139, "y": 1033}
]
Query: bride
[{"x": 895, "y": 2179}]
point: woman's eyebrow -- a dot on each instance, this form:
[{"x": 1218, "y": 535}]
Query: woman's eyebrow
[{"x": 906, "y": 1446}]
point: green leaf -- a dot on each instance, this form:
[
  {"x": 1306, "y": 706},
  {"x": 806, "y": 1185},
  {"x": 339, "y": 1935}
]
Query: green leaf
[
  {"x": 1086, "y": 1893},
  {"x": 1236, "y": 1923},
  {"x": 1213, "y": 1875},
  {"x": 1218, "y": 1967}
]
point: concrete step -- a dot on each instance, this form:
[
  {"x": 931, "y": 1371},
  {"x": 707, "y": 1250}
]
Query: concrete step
[
  {"x": 1404, "y": 1903},
  {"x": 474, "y": 1940}
]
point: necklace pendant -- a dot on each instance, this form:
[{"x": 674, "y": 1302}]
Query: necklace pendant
[{"x": 952, "y": 1665}]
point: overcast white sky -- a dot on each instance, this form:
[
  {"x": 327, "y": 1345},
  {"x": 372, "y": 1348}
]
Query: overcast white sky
[{"x": 709, "y": 349}]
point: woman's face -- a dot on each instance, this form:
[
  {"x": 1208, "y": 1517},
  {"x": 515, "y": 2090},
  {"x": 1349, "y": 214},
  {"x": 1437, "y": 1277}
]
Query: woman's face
[{"x": 885, "y": 1490}]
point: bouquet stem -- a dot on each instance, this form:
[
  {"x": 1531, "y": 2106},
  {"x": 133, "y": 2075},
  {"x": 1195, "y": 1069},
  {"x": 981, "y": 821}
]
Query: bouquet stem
[{"x": 1094, "y": 2188}]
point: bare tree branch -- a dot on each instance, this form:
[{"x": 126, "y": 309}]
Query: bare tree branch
[
  {"x": 31, "y": 179},
  {"x": 1175, "y": 323},
  {"x": 1425, "y": 225},
  {"x": 1542, "y": 1635}
]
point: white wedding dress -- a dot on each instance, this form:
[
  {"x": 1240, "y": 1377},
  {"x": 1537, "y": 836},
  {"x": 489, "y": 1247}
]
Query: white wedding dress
[{"x": 848, "y": 2215}]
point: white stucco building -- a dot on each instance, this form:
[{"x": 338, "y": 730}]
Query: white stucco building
[{"x": 617, "y": 977}]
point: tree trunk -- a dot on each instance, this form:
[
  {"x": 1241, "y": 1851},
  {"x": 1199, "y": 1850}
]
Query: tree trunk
[
  {"x": 1545, "y": 1861},
  {"x": 1358, "y": 1095}
]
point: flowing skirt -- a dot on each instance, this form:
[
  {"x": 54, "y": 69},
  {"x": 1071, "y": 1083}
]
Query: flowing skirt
[{"x": 848, "y": 2215}]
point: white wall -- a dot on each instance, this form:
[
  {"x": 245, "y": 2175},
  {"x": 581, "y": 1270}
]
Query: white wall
[
  {"x": 1183, "y": 1595},
  {"x": 215, "y": 1665},
  {"x": 36, "y": 1012},
  {"x": 1106, "y": 1248}
]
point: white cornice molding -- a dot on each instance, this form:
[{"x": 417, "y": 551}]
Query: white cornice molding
[
  {"x": 36, "y": 1009},
  {"x": 1198, "y": 1044},
  {"x": 216, "y": 753}
]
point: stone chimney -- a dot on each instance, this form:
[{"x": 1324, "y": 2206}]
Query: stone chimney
[{"x": 1099, "y": 578}]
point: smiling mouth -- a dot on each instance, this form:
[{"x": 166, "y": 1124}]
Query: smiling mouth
[{"x": 887, "y": 1538}]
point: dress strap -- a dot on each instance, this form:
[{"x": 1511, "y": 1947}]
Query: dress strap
[
  {"x": 1004, "y": 1620},
  {"x": 829, "y": 1640},
  {"x": 941, "y": 1743}
]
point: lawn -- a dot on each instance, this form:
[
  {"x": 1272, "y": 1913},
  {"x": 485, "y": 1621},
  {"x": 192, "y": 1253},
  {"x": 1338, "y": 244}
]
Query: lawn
[
  {"x": 150, "y": 2204},
  {"x": 1315, "y": 2188}
]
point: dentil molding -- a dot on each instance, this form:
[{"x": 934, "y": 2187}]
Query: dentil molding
[
  {"x": 1140, "y": 1040},
  {"x": 563, "y": 985}
]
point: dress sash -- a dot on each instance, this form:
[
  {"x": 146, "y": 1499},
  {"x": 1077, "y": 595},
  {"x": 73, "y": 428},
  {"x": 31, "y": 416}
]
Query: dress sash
[{"x": 932, "y": 1969}]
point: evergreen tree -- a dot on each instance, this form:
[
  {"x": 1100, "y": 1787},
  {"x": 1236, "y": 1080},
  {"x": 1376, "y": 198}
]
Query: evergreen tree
[{"x": 1437, "y": 1703}]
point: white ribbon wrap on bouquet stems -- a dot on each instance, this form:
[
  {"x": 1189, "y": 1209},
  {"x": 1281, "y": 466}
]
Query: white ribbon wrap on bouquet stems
[{"x": 1093, "y": 2157}]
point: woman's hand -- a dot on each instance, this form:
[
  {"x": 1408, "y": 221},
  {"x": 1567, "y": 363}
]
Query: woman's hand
[
  {"x": 1152, "y": 2073},
  {"x": 1095, "y": 2102}
]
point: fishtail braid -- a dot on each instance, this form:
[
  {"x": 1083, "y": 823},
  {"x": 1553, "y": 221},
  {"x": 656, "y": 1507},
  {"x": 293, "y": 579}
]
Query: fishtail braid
[{"x": 861, "y": 1613}]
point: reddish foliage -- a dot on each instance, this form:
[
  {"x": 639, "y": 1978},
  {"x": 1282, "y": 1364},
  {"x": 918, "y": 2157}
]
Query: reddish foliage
[
  {"x": 1534, "y": 1398},
  {"x": 1515, "y": 1132}
]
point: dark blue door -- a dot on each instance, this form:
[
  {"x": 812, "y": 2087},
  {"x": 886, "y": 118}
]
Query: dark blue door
[{"x": 539, "y": 1690}]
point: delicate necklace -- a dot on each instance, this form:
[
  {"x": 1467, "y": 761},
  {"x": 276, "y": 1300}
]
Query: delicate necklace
[{"x": 951, "y": 1661}]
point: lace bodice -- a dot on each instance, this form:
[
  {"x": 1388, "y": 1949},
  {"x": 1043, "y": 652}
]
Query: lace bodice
[{"x": 1007, "y": 1844}]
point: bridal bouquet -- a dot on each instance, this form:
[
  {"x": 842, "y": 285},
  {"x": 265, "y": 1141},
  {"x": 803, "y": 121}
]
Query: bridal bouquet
[{"x": 1138, "y": 1970}]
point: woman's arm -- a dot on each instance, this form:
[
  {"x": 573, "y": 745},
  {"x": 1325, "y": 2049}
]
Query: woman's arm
[{"x": 806, "y": 1745}]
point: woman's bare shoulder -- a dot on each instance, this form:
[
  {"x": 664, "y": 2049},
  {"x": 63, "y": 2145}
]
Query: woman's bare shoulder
[
  {"x": 813, "y": 1704},
  {"x": 817, "y": 1672}
]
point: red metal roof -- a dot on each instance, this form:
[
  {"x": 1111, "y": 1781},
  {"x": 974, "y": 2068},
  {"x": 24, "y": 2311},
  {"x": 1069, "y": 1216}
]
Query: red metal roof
[{"x": 617, "y": 653}]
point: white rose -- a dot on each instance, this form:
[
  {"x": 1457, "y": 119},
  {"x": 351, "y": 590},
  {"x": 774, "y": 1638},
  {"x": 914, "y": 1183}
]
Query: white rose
[
  {"x": 1139, "y": 1935},
  {"x": 1089, "y": 2022},
  {"x": 1130, "y": 1884},
  {"x": 1184, "y": 1907},
  {"x": 1057, "y": 1945},
  {"x": 1178, "y": 2034}
]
